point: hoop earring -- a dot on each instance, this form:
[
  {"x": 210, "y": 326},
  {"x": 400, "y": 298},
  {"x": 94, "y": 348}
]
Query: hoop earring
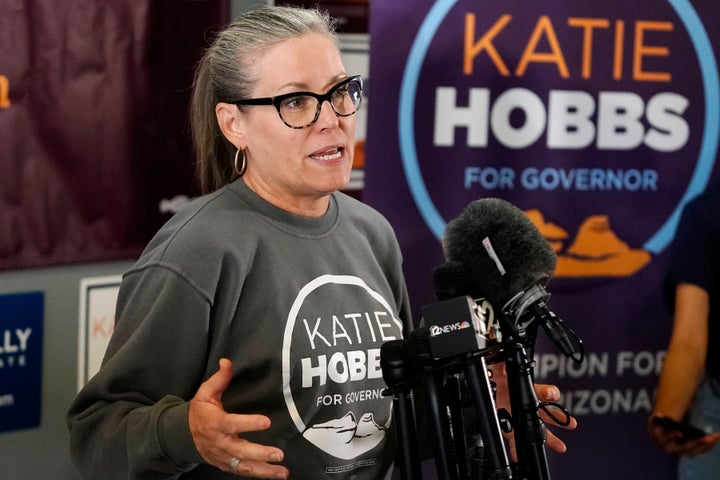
[{"x": 240, "y": 170}]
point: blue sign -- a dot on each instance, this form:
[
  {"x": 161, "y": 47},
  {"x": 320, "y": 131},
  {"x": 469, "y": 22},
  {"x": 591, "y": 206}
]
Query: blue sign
[{"x": 21, "y": 343}]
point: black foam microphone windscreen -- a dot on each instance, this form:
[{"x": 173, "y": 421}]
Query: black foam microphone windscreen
[
  {"x": 500, "y": 250},
  {"x": 451, "y": 279},
  {"x": 396, "y": 364}
]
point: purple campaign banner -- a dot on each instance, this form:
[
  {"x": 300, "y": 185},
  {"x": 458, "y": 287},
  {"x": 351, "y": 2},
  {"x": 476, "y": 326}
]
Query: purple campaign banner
[
  {"x": 600, "y": 121},
  {"x": 21, "y": 345}
]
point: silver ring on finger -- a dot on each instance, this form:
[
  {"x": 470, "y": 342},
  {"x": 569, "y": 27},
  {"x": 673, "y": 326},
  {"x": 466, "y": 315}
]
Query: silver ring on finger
[{"x": 234, "y": 464}]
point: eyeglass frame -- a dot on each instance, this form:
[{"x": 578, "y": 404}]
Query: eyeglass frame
[{"x": 277, "y": 100}]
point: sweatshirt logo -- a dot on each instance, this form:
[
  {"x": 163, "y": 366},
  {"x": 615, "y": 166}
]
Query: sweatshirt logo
[{"x": 332, "y": 381}]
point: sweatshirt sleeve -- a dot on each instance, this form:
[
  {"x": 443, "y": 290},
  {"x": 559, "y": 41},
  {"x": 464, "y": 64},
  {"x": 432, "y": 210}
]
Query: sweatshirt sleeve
[{"x": 131, "y": 419}]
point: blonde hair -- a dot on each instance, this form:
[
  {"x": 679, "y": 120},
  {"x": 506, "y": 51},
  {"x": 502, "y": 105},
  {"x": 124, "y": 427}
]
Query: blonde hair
[{"x": 224, "y": 74}]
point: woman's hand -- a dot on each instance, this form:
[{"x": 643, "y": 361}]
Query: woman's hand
[
  {"x": 216, "y": 433},
  {"x": 550, "y": 393},
  {"x": 545, "y": 393}
]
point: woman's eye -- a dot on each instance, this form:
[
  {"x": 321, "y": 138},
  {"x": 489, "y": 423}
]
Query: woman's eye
[
  {"x": 295, "y": 103},
  {"x": 341, "y": 92}
]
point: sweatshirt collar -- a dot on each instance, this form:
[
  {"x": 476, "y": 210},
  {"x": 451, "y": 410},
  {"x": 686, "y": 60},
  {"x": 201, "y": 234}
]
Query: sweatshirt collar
[{"x": 286, "y": 221}]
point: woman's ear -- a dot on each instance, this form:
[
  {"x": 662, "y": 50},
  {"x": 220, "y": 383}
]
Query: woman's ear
[{"x": 230, "y": 123}]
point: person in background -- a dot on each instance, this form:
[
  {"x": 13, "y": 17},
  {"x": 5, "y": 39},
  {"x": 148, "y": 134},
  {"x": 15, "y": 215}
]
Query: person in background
[
  {"x": 689, "y": 386},
  {"x": 248, "y": 332}
]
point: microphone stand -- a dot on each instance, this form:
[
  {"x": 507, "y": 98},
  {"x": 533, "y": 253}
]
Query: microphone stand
[
  {"x": 439, "y": 378},
  {"x": 530, "y": 434},
  {"x": 407, "y": 454},
  {"x": 443, "y": 398},
  {"x": 400, "y": 378},
  {"x": 442, "y": 442},
  {"x": 481, "y": 394},
  {"x": 456, "y": 422}
]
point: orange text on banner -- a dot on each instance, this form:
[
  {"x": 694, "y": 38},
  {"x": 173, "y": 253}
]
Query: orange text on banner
[
  {"x": 4, "y": 92},
  {"x": 544, "y": 29}
]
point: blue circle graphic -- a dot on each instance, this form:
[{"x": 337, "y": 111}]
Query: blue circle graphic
[{"x": 708, "y": 148}]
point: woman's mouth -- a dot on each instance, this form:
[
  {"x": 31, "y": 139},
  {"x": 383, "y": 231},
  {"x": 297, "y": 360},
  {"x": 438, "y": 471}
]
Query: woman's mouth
[{"x": 328, "y": 154}]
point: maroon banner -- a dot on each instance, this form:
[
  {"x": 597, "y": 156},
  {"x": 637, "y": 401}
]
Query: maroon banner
[
  {"x": 94, "y": 144},
  {"x": 599, "y": 120}
]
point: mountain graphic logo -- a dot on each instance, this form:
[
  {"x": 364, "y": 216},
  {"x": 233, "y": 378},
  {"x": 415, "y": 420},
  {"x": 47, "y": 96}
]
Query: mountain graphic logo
[
  {"x": 344, "y": 437},
  {"x": 595, "y": 251}
]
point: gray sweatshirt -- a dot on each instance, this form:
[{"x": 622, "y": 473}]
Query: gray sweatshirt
[{"x": 300, "y": 305}]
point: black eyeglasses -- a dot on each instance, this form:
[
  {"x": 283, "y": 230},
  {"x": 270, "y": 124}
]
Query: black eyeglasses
[{"x": 302, "y": 109}]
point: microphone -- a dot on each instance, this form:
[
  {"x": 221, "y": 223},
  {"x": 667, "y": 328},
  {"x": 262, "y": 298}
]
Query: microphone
[
  {"x": 495, "y": 252},
  {"x": 498, "y": 250},
  {"x": 464, "y": 333},
  {"x": 401, "y": 377},
  {"x": 397, "y": 367},
  {"x": 454, "y": 336},
  {"x": 407, "y": 364}
]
